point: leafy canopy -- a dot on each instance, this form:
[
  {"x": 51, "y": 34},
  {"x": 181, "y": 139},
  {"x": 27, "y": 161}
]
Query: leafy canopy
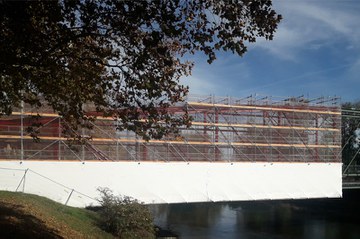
[
  {"x": 124, "y": 58},
  {"x": 350, "y": 126}
]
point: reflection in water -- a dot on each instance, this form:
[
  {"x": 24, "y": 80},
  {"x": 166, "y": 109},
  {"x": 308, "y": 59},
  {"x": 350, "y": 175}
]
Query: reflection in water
[{"x": 297, "y": 219}]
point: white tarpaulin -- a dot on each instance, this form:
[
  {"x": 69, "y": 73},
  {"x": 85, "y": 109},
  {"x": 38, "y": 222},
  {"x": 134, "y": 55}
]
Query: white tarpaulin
[{"x": 172, "y": 182}]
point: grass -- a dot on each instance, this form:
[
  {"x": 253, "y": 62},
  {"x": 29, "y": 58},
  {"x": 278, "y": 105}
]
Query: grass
[{"x": 31, "y": 216}]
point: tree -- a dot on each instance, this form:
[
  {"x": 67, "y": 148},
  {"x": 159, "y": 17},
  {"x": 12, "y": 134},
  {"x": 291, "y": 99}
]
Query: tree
[
  {"x": 350, "y": 127},
  {"x": 124, "y": 58},
  {"x": 124, "y": 217}
]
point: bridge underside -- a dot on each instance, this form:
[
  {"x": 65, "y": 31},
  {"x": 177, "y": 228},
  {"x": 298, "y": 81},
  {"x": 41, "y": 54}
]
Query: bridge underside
[{"x": 236, "y": 149}]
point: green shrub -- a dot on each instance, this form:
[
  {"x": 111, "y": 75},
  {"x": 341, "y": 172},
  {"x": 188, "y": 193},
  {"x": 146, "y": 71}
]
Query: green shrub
[{"x": 125, "y": 217}]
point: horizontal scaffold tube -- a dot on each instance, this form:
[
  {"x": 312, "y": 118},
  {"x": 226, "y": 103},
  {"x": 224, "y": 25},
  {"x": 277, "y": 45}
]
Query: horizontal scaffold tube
[
  {"x": 249, "y": 107},
  {"x": 180, "y": 142},
  {"x": 263, "y": 126},
  {"x": 207, "y": 123}
]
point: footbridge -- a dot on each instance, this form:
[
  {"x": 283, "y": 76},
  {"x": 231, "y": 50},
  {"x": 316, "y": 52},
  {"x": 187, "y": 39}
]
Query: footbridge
[{"x": 250, "y": 148}]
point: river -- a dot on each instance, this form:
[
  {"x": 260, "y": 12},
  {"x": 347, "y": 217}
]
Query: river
[{"x": 286, "y": 219}]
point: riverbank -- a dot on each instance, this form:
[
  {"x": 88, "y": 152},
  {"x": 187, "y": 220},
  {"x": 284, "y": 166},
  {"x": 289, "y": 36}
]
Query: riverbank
[{"x": 31, "y": 216}]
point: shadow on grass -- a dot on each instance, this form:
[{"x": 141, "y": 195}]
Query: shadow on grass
[{"x": 14, "y": 223}]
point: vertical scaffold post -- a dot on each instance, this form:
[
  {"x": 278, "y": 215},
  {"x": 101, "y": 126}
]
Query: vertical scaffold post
[
  {"x": 59, "y": 145},
  {"x": 22, "y": 130},
  {"x": 216, "y": 134},
  {"x": 316, "y": 137},
  {"x": 117, "y": 148},
  {"x": 117, "y": 140},
  {"x": 82, "y": 145}
]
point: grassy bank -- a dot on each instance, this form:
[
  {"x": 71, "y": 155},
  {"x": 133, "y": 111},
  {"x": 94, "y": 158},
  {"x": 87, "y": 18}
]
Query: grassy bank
[{"x": 30, "y": 216}]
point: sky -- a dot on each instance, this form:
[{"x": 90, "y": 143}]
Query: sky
[{"x": 315, "y": 52}]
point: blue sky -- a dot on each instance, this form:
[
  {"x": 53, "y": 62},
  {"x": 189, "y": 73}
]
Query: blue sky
[{"x": 315, "y": 52}]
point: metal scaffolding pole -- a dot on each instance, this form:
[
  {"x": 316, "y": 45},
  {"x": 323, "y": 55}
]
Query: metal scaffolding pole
[{"x": 22, "y": 131}]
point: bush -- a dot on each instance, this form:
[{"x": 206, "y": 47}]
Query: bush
[{"x": 125, "y": 217}]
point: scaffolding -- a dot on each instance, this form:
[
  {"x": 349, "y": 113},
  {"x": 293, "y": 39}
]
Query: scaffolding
[{"x": 224, "y": 129}]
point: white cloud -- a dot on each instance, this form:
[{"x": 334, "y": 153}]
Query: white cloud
[
  {"x": 316, "y": 51},
  {"x": 311, "y": 25},
  {"x": 221, "y": 78},
  {"x": 199, "y": 85},
  {"x": 284, "y": 43},
  {"x": 353, "y": 72},
  {"x": 335, "y": 19}
]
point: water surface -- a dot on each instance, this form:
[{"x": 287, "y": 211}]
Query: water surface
[{"x": 290, "y": 219}]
